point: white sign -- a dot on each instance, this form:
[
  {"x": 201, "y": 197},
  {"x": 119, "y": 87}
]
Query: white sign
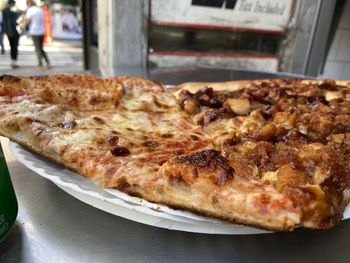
[
  {"x": 249, "y": 15},
  {"x": 183, "y": 59}
]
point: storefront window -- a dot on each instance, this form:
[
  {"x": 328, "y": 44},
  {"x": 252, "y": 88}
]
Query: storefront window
[{"x": 229, "y": 33}]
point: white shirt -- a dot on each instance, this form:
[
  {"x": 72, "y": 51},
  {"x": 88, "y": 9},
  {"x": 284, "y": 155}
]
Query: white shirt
[{"x": 36, "y": 16}]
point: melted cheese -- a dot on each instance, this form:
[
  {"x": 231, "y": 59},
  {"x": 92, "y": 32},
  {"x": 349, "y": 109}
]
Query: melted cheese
[{"x": 270, "y": 176}]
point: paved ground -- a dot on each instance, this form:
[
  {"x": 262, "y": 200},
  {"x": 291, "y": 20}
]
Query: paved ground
[{"x": 65, "y": 57}]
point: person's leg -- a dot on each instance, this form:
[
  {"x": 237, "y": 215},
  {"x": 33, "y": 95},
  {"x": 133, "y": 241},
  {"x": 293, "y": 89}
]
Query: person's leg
[
  {"x": 36, "y": 42},
  {"x": 15, "y": 43},
  {"x": 13, "y": 46},
  {"x": 41, "y": 38},
  {"x": 2, "y": 43}
]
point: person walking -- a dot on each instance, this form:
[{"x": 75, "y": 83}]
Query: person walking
[
  {"x": 35, "y": 19},
  {"x": 1, "y": 36},
  {"x": 9, "y": 26}
]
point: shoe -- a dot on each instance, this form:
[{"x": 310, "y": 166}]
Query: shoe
[{"x": 14, "y": 66}]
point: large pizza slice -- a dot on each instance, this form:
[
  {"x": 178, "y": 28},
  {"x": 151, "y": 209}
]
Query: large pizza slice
[{"x": 272, "y": 154}]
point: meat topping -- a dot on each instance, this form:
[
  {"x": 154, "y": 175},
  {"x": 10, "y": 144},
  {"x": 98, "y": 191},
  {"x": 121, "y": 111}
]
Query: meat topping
[{"x": 120, "y": 151}]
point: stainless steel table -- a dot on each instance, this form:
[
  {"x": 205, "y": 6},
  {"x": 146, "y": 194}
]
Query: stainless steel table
[{"x": 53, "y": 226}]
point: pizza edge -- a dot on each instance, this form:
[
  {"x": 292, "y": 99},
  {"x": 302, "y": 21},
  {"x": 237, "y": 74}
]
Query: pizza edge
[
  {"x": 31, "y": 147},
  {"x": 241, "y": 84}
]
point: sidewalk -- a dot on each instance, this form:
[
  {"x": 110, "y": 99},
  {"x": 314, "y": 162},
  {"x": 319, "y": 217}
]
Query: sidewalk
[{"x": 65, "y": 57}]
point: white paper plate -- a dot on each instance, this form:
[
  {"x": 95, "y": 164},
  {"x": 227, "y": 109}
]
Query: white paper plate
[{"x": 121, "y": 204}]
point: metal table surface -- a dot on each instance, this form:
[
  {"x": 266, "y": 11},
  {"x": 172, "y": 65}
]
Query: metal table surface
[{"x": 53, "y": 226}]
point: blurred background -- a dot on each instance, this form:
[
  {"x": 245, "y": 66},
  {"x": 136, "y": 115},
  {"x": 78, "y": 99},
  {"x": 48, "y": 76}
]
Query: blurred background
[{"x": 307, "y": 37}]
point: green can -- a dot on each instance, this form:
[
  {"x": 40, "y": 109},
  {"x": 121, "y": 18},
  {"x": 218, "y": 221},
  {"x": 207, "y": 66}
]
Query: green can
[{"x": 8, "y": 201}]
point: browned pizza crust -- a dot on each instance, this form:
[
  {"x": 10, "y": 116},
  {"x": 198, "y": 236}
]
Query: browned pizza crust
[{"x": 238, "y": 84}]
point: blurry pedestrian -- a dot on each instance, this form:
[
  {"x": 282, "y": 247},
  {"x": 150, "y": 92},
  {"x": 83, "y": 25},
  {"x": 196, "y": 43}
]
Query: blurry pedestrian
[
  {"x": 35, "y": 19},
  {"x": 70, "y": 21},
  {"x": 9, "y": 27},
  {"x": 1, "y": 36}
]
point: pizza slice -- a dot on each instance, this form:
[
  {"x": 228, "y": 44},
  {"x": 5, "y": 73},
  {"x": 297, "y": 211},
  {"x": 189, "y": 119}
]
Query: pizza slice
[
  {"x": 103, "y": 137},
  {"x": 237, "y": 163},
  {"x": 291, "y": 135}
]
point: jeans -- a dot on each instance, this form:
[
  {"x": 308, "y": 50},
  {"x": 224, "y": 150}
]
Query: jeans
[
  {"x": 38, "y": 42},
  {"x": 2, "y": 41}
]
